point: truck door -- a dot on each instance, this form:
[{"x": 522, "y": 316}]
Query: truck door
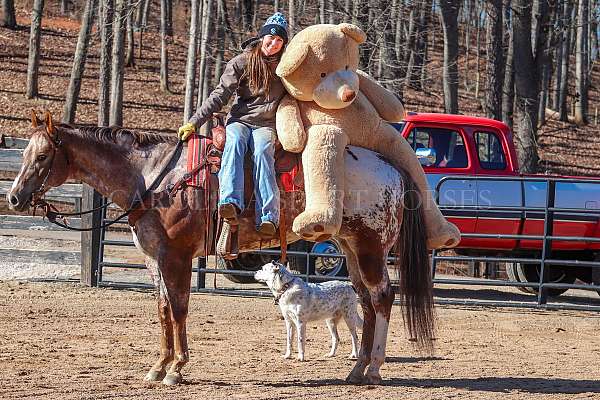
[
  {"x": 495, "y": 193},
  {"x": 448, "y": 158}
]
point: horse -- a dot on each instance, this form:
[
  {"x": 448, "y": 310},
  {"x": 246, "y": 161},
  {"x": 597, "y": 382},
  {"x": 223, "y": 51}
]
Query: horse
[{"x": 382, "y": 211}]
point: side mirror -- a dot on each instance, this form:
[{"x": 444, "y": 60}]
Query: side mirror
[{"x": 426, "y": 156}]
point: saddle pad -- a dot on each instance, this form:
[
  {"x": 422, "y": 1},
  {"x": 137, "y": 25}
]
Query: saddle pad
[{"x": 197, "y": 153}]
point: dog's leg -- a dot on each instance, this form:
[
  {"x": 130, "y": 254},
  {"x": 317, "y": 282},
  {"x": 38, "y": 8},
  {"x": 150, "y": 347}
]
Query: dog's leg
[
  {"x": 335, "y": 338},
  {"x": 289, "y": 336},
  {"x": 351, "y": 318},
  {"x": 301, "y": 330}
]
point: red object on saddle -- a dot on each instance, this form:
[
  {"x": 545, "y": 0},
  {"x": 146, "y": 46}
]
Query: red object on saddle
[{"x": 197, "y": 153}]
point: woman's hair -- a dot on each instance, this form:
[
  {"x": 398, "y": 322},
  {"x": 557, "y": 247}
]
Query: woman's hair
[{"x": 257, "y": 72}]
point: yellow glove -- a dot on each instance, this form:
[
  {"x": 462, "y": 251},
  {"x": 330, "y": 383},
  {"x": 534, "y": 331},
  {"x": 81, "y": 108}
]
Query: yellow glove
[{"x": 186, "y": 130}]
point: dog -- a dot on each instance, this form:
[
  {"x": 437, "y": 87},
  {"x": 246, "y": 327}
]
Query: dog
[{"x": 302, "y": 302}]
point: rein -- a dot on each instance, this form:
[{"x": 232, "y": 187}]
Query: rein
[{"x": 52, "y": 213}]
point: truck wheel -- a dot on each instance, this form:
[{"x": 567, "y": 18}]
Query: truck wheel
[
  {"x": 596, "y": 276},
  {"x": 322, "y": 266},
  {"x": 513, "y": 276},
  {"x": 531, "y": 273},
  {"x": 244, "y": 262}
]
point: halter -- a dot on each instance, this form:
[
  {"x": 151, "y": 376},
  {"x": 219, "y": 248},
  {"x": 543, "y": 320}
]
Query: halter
[{"x": 55, "y": 143}]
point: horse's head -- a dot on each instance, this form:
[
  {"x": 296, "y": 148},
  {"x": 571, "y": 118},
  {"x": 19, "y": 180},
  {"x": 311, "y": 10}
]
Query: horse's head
[{"x": 45, "y": 164}]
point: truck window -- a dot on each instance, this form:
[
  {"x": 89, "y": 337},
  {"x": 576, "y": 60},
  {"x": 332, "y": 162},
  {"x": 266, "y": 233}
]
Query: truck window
[
  {"x": 489, "y": 151},
  {"x": 448, "y": 145}
]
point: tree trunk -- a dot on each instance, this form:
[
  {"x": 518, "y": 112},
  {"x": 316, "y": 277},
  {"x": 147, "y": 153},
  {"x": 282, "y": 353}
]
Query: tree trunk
[
  {"x": 322, "y": 12},
  {"x": 526, "y": 85},
  {"x": 581, "y": 63},
  {"x": 64, "y": 7},
  {"x": 33, "y": 63},
  {"x": 546, "y": 63},
  {"x": 495, "y": 60},
  {"x": 190, "y": 71},
  {"x": 105, "y": 18},
  {"x": 292, "y": 18},
  {"x": 558, "y": 54},
  {"x": 130, "y": 53},
  {"x": 233, "y": 36},
  {"x": 595, "y": 9},
  {"x": 449, "y": 19},
  {"x": 87, "y": 20},
  {"x": 164, "y": 49},
  {"x": 206, "y": 34},
  {"x": 478, "y": 17},
  {"x": 508, "y": 98},
  {"x": 9, "y": 19},
  {"x": 169, "y": 10},
  {"x": 117, "y": 70},
  {"x": 247, "y": 14},
  {"x": 221, "y": 41},
  {"x": 563, "y": 108}
]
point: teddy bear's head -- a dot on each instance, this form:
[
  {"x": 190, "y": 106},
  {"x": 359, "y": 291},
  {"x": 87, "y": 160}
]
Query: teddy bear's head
[{"x": 320, "y": 62}]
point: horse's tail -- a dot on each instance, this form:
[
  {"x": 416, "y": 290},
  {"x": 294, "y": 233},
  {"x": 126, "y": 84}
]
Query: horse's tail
[{"x": 412, "y": 264}]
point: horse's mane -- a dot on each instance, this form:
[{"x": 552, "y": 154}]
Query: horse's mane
[{"x": 110, "y": 134}]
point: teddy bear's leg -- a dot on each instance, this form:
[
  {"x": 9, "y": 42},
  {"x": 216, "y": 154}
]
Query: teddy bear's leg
[
  {"x": 323, "y": 164},
  {"x": 440, "y": 232}
]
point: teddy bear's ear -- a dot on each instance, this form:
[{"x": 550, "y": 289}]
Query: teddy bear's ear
[
  {"x": 354, "y": 32},
  {"x": 292, "y": 58}
]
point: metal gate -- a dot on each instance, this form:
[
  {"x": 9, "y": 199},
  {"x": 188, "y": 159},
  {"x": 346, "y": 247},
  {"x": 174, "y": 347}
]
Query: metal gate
[{"x": 545, "y": 260}]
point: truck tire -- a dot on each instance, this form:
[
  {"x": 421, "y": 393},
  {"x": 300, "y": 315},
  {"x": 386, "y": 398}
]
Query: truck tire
[
  {"x": 531, "y": 273},
  {"x": 513, "y": 276},
  {"x": 322, "y": 266},
  {"x": 244, "y": 262}
]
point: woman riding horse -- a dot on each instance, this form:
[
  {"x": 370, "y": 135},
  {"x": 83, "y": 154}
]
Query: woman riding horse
[{"x": 250, "y": 123}]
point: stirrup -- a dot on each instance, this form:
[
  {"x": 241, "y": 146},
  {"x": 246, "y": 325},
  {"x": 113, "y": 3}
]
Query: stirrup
[{"x": 227, "y": 246}]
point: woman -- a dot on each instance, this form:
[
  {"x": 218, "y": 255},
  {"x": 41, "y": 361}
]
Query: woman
[{"x": 250, "y": 124}]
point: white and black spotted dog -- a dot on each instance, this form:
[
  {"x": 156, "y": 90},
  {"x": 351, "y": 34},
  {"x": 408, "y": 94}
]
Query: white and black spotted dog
[{"x": 302, "y": 302}]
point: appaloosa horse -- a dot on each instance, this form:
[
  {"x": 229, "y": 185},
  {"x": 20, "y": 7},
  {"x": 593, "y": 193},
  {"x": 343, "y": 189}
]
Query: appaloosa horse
[{"x": 380, "y": 210}]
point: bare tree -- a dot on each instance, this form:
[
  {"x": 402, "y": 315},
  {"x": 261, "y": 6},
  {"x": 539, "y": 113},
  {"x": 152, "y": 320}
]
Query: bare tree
[
  {"x": 105, "y": 18},
  {"x": 129, "y": 54},
  {"x": 190, "y": 71},
  {"x": 526, "y": 85},
  {"x": 164, "y": 50},
  {"x": 87, "y": 20},
  {"x": 449, "y": 21},
  {"x": 204, "y": 72},
  {"x": 292, "y": 17},
  {"x": 564, "y": 62},
  {"x": 117, "y": 71},
  {"x": 508, "y": 91},
  {"x": 494, "y": 60},
  {"x": 9, "y": 19},
  {"x": 33, "y": 63},
  {"x": 581, "y": 64}
]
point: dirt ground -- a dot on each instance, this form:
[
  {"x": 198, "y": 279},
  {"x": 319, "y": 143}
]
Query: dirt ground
[{"x": 60, "y": 340}]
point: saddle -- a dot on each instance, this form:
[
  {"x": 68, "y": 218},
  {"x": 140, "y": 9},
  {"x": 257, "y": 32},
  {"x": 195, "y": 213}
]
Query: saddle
[{"x": 204, "y": 158}]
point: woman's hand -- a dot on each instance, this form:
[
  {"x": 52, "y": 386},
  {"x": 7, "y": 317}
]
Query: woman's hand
[{"x": 186, "y": 130}]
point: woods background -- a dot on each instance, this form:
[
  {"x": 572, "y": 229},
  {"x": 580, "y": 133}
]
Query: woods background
[{"x": 148, "y": 63}]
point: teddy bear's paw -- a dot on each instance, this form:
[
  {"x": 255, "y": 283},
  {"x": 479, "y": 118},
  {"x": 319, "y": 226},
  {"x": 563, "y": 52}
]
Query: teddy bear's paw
[
  {"x": 313, "y": 226},
  {"x": 447, "y": 237}
]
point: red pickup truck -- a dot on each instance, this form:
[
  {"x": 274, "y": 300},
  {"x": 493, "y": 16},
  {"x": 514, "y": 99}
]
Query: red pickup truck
[{"x": 472, "y": 163}]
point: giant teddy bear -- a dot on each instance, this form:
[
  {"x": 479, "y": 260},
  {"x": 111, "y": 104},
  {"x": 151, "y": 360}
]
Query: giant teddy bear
[{"x": 330, "y": 105}]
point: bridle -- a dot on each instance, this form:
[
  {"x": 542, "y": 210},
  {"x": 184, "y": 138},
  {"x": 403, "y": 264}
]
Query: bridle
[{"x": 52, "y": 213}]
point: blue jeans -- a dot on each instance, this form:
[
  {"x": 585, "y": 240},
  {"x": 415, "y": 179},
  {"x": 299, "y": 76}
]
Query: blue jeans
[{"x": 240, "y": 137}]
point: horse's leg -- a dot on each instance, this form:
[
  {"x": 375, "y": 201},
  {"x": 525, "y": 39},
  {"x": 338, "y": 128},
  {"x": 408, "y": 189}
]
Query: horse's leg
[
  {"x": 368, "y": 330},
  {"x": 176, "y": 270},
  {"x": 158, "y": 370},
  {"x": 375, "y": 276},
  {"x": 335, "y": 337}
]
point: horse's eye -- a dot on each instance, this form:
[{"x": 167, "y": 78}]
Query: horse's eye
[
  {"x": 42, "y": 157},
  {"x": 323, "y": 74}
]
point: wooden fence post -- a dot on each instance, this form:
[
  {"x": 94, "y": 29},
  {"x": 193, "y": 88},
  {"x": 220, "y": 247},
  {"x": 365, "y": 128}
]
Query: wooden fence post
[{"x": 90, "y": 240}]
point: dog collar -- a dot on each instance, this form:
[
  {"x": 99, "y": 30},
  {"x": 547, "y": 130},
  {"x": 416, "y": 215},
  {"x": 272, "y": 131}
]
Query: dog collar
[{"x": 281, "y": 292}]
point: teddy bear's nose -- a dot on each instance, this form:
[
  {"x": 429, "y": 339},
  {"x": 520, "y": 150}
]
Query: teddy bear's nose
[{"x": 348, "y": 95}]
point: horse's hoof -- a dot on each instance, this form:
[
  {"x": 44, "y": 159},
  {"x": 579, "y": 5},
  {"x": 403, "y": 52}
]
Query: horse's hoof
[
  {"x": 172, "y": 378},
  {"x": 355, "y": 379},
  {"x": 372, "y": 379},
  {"x": 155, "y": 376}
]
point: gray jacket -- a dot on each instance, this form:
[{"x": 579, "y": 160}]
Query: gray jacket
[{"x": 256, "y": 111}]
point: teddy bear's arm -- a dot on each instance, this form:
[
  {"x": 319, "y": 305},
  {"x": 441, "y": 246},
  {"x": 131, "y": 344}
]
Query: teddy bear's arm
[
  {"x": 290, "y": 129},
  {"x": 388, "y": 106}
]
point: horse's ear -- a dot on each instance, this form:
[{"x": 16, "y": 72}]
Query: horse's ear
[
  {"x": 35, "y": 121},
  {"x": 49, "y": 124}
]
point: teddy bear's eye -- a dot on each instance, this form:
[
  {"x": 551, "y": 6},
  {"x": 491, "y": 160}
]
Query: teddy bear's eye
[{"x": 323, "y": 74}]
